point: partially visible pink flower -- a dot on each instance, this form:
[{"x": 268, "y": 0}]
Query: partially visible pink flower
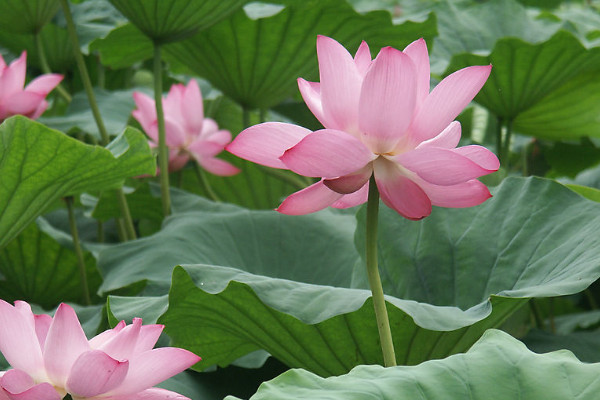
[
  {"x": 188, "y": 133},
  {"x": 380, "y": 119},
  {"x": 30, "y": 101},
  {"x": 51, "y": 357}
]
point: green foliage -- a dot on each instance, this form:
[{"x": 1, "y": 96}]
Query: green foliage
[{"x": 26, "y": 16}]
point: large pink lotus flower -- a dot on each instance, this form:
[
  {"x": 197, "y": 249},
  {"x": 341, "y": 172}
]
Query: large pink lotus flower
[
  {"x": 30, "y": 101},
  {"x": 188, "y": 133},
  {"x": 381, "y": 119},
  {"x": 51, "y": 357}
]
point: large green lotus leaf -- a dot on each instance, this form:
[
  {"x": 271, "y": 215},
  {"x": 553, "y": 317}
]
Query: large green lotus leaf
[
  {"x": 56, "y": 44},
  {"x": 257, "y": 61},
  {"x": 549, "y": 90},
  {"x": 36, "y": 268},
  {"x": 474, "y": 27},
  {"x": 123, "y": 47},
  {"x": 38, "y": 165},
  {"x": 263, "y": 242},
  {"x": 535, "y": 238},
  {"x": 169, "y": 20},
  {"x": 26, "y": 16},
  {"x": 115, "y": 108},
  {"x": 496, "y": 367}
]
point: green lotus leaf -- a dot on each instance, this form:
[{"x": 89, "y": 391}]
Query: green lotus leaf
[{"x": 26, "y": 16}]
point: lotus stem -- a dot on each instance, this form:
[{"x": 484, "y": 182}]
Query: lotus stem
[
  {"x": 46, "y": 68},
  {"x": 77, "y": 245},
  {"x": 163, "y": 151},
  {"x": 499, "y": 123},
  {"x": 206, "y": 184},
  {"x": 383, "y": 322},
  {"x": 87, "y": 84},
  {"x": 507, "y": 140}
]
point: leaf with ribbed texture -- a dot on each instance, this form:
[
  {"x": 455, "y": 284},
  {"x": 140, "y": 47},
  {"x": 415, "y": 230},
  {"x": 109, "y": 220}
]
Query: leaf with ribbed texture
[
  {"x": 36, "y": 268},
  {"x": 169, "y": 20},
  {"x": 535, "y": 238},
  {"x": 38, "y": 165},
  {"x": 549, "y": 90},
  {"x": 496, "y": 367},
  {"x": 26, "y": 16},
  {"x": 257, "y": 61},
  {"x": 123, "y": 47}
]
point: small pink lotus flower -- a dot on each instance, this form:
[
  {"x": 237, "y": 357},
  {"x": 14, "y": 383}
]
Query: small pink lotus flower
[
  {"x": 30, "y": 101},
  {"x": 381, "y": 119},
  {"x": 51, "y": 357},
  {"x": 188, "y": 132}
]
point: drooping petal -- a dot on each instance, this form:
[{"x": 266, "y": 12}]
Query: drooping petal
[
  {"x": 466, "y": 194},
  {"x": 480, "y": 155},
  {"x": 447, "y": 139},
  {"x": 265, "y": 143},
  {"x": 308, "y": 200},
  {"x": 311, "y": 94},
  {"x": 16, "y": 381},
  {"x": 446, "y": 101},
  {"x": 362, "y": 58},
  {"x": 18, "y": 341},
  {"x": 154, "y": 366},
  {"x": 65, "y": 342},
  {"x": 23, "y": 103},
  {"x": 12, "y": 79},
  {"x": 327, "y": 153},
  {"x": 441, "y": 166},
  {"x": 94, "y": 373},
  {"x": 399, "y": 192},
  {"x": 44, "y": 84},
  {"x": 192, "y": 107},
  {"x": 417, "y": 51},
  {"x": 42, "y": 391},
  {"x": 353, "y": 199},
  {"x": 340, "y": 85},
  {"x": 151, "y": 394},
  {"x": 217, "y": 166},
  {"x": 352, "y": 182},
  {"x": 387, "y": 100}
]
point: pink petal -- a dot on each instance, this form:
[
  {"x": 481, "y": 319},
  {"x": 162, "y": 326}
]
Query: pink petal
[
  {"x": 399, "y": 192},
  {"x": 16, "y": 381},
  {"x": 441, "y": 166},
  {"x": 466, "y": 194},
  {"x": 387, "y": 100},
  {"x": 44, "y": 84},
  {"x": 353, "y": 199},
  {"x": 327, "y": 153},
  {"x": 154, "y": 366},
  {"x": 311, "y": 93},
  {"x": 175, "y": 133},
  {"x": 352, "y": 182},
  {"x": 65, "y": 342},
  {"x": 2, "y": 64},
  {"x": 145, "y": 113},
  {"x": 177, "y": 160},
  {"x": 308, "y": 200},
  {"x": 107, "y": 335},
  {"x": 209, "y": 126},
  {"x": 23, "y": 103},
  {"x": 43, "y": 391},
  {"x": 192, "y": 107},
  {"x": 39, "y": 110},
  {"x": 340, "y": 85},
  {"x": 217, "y": 166},
  {"x": 447, "y": 100},
  {"x": 172, "y": 104},
  {"x": 480, "y": 155},
  {"x": 18, "y": 341},
  {"x": 265, "y": 143},
  {"x": 219, "y": 136},
  {"x": 94, "y": 373},
  {"x": 12, "y": 79},
  {"x": 447, "y": 139},
  {"x": 362, "y": 58},
  {"x": 151, "y": 394},
  {"x": 122, "y": 345},
  {"x": 417, "y": 51},
  {"x": 149, "y": 335},
  {"x": 42, "y": 325}
]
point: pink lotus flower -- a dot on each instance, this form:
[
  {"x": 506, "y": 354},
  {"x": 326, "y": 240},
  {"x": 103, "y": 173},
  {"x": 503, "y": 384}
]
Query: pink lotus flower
[
  {"x": 30, "y": 101},
  {"x": 381, "y": 119},
  {"x": 188, "y": 132},
  {"x": 52, "y": 357}
]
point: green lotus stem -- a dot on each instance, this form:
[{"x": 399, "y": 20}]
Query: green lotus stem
[
  {"x": 499, "y": 146},
  {"x": 383, "y": 322},
  {"x": 163, "y": 151},
  {"x": 80, "y": 261},
  {"x": 121, "y": 231},
  {"x": 46, "y": 68},
  {"x": 537, "y": 315},
  {"x": 206, "y": 184},
  {"x": 87, "y": 84},
  {"x": 507, "y": 140},
  {"x": 100, "y": 232}
]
